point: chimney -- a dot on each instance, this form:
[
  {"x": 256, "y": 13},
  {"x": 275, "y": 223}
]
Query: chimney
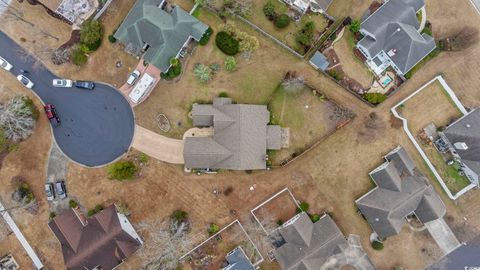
[{"x": 460, "y": 146}]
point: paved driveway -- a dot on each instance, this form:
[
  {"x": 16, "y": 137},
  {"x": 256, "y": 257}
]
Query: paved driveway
[
  {"x": 97, "y": 126},
  {"x": 158, "y": 146},
  {"x": 443, "y": 235}
]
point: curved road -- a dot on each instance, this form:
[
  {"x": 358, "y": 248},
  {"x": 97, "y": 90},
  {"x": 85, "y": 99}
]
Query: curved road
[{"x": 97, "y": 126}]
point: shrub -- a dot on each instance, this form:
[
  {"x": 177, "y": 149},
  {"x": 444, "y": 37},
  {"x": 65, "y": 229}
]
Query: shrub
[
  {"x": 79, "y": 58},
  {"x": 377, "y": 245},
  {"x": 279, "y": 222},
  {"x": 144, "y": 158},
  {"x": 223, "y": 94},
  {"x": 52, "y": 215},
  {"x": 269, "y": 10},
  {"x": 215, "y": 67},
  {"x": 91, "y": 33},
  {"x": 354, "y": 26},
  {"x": 203, "y": 73},
  {"x": 230, "y": 64},
  {"x": 335, "y": 74},
  {"x": 122, "y": 170},
  {"x": 206, "y": 37},
  {"x": 315, "y": 218},
  {"x": 228, "y": 191},
  {"x": 303, "y": 207},
  {"x": 375, "y": 98},
  {"x": 306, "y": 34},
  {"x": 72, "y": 204},
  {"x": 213, "y": 228},
  {"x": 282, "y": 21},
  {"x": 173, "y": 72},
  {"x": 226, "y": 43},
  {"x": 95, "y": 210},
  {"x": 179, "y": 216},
  {"x": 112, "y": 39},
  {"x": 174, "y": 62}
]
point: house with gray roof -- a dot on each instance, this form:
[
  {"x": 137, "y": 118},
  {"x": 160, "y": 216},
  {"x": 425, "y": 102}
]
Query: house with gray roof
[
  {"x": 318, "y": 6},
  {"x": 158, "y": 33},
  {"x": 393, "y": 38},
  {"x": 238, "y": 260},
  {"x": 463, "y": 140},
  {"x": 401, "y": 190},
  {"x": 307, "y": 245},
  {"x": 241, "y": 136}
]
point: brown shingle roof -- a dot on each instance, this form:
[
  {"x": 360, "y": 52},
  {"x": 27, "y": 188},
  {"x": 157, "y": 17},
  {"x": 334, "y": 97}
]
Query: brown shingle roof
[{"x": 95, "y": 241}]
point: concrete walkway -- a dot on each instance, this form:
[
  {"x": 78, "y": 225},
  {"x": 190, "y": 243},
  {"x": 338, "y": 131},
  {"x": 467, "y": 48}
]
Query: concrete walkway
[
  {"x": 158, "y": 146},
  {"x": 443, "y": 235},
  {"x": 11, "y": 223}
]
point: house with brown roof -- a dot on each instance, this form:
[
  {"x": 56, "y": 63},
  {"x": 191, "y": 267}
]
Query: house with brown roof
[{"x": 102, "y": 241}]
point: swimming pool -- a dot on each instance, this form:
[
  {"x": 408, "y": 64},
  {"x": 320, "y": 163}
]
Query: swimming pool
[{"x": 386, "y": 81}]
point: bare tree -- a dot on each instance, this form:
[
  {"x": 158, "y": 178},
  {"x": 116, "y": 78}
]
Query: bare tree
[
  {"x": 241, "y": 7},
  {"x": 17, "y": 118},
  {"x": 464, "y": 38},
  {"x": 293, "y": 83},
  {"x": 264, "y": 238},
  {"x": 166, "y": 243}
]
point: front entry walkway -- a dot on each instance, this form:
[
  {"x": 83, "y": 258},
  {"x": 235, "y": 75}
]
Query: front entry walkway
[
  {"x": 443, "y": 235},
  {"x": 158, "y": 146}
]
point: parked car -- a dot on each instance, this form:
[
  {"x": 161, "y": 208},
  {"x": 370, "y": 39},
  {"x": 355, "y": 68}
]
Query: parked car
[
  {"x": 85, "y": 85},
  {"x": 52, "y": 113},
  {"x": 5, "y": 64},
  {"x": 25, "y": 81},
  {"x": 61, "y": 190},
  {"x": 62, "y": 83},
  {"x": 133, "y": 77},
  {"x": 49, "y": 191}
]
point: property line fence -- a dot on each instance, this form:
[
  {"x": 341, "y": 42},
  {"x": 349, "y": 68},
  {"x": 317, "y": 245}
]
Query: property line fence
[
  {"x": 460, "y": 106},
  {"x": 269, "y": 200},
  {"x": 102, "y": 10}
]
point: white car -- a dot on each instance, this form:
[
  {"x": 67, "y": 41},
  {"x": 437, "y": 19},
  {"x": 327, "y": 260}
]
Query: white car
[
  {"x": 25, "y": 81},
  {"x": 5, "y": 65},
  {"x": 49, "y": 191},
  {"x": 133, "y": 77},
  {"x": 62, "y": 83}
]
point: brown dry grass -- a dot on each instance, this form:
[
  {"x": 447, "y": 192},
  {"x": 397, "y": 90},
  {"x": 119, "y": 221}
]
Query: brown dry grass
[
  {"x": 430, "y": 105},
  {"x": 352, "y": 8},
  {"x": 351, "y": 65}
]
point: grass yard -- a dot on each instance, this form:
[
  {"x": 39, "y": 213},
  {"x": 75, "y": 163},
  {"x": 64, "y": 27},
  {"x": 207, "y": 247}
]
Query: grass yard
[
  {"x": 430, "y": 105},
  {"x": 308, "y": 117},
  {"x": 277, "y": 211},
  {"x": 288, "y": 34},
  {"x": 351, "y": 65},
  {"x": 433, "y": 105},
  {"x": 352, "y": 8},
  {"x": 454, "y": 181}
]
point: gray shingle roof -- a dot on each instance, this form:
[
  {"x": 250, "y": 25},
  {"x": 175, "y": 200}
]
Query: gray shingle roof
[
  {"x": 467, "y": 130},
  {"x": 164, "y": 32},
  {"x": 401, "y": 190},
  {"x": 241, "y": 136},
  {"x": 394, "y": 27},
  {"x": 238, "y": 260},
  {"x": 308, "y": 245}
]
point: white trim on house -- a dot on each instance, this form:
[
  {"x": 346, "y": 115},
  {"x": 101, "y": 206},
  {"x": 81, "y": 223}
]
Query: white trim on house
[{"x": 128, "y": 228}]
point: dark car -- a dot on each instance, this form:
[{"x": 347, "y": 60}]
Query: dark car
[
  {"x": 60, "y": 189},
  {"x": 52, "y": 113},
  {"x": 85, "y": 85}
]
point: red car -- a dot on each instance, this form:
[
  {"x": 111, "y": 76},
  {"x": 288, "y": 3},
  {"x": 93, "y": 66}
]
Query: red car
[{"x": 51, "y": 113}]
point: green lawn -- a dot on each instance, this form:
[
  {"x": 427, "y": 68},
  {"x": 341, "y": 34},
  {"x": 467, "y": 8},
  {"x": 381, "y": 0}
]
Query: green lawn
[{"x": 454, "y": 181}]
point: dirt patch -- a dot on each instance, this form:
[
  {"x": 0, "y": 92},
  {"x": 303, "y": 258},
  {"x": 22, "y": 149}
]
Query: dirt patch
[{"x": 373, "y": 128}]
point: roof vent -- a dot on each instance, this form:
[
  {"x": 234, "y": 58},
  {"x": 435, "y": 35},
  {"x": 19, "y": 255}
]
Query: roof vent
[
  {"x": 468, "y": 125},
  {"x": 377, "y": 219},
  {"x": 461, "y": 146}
]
